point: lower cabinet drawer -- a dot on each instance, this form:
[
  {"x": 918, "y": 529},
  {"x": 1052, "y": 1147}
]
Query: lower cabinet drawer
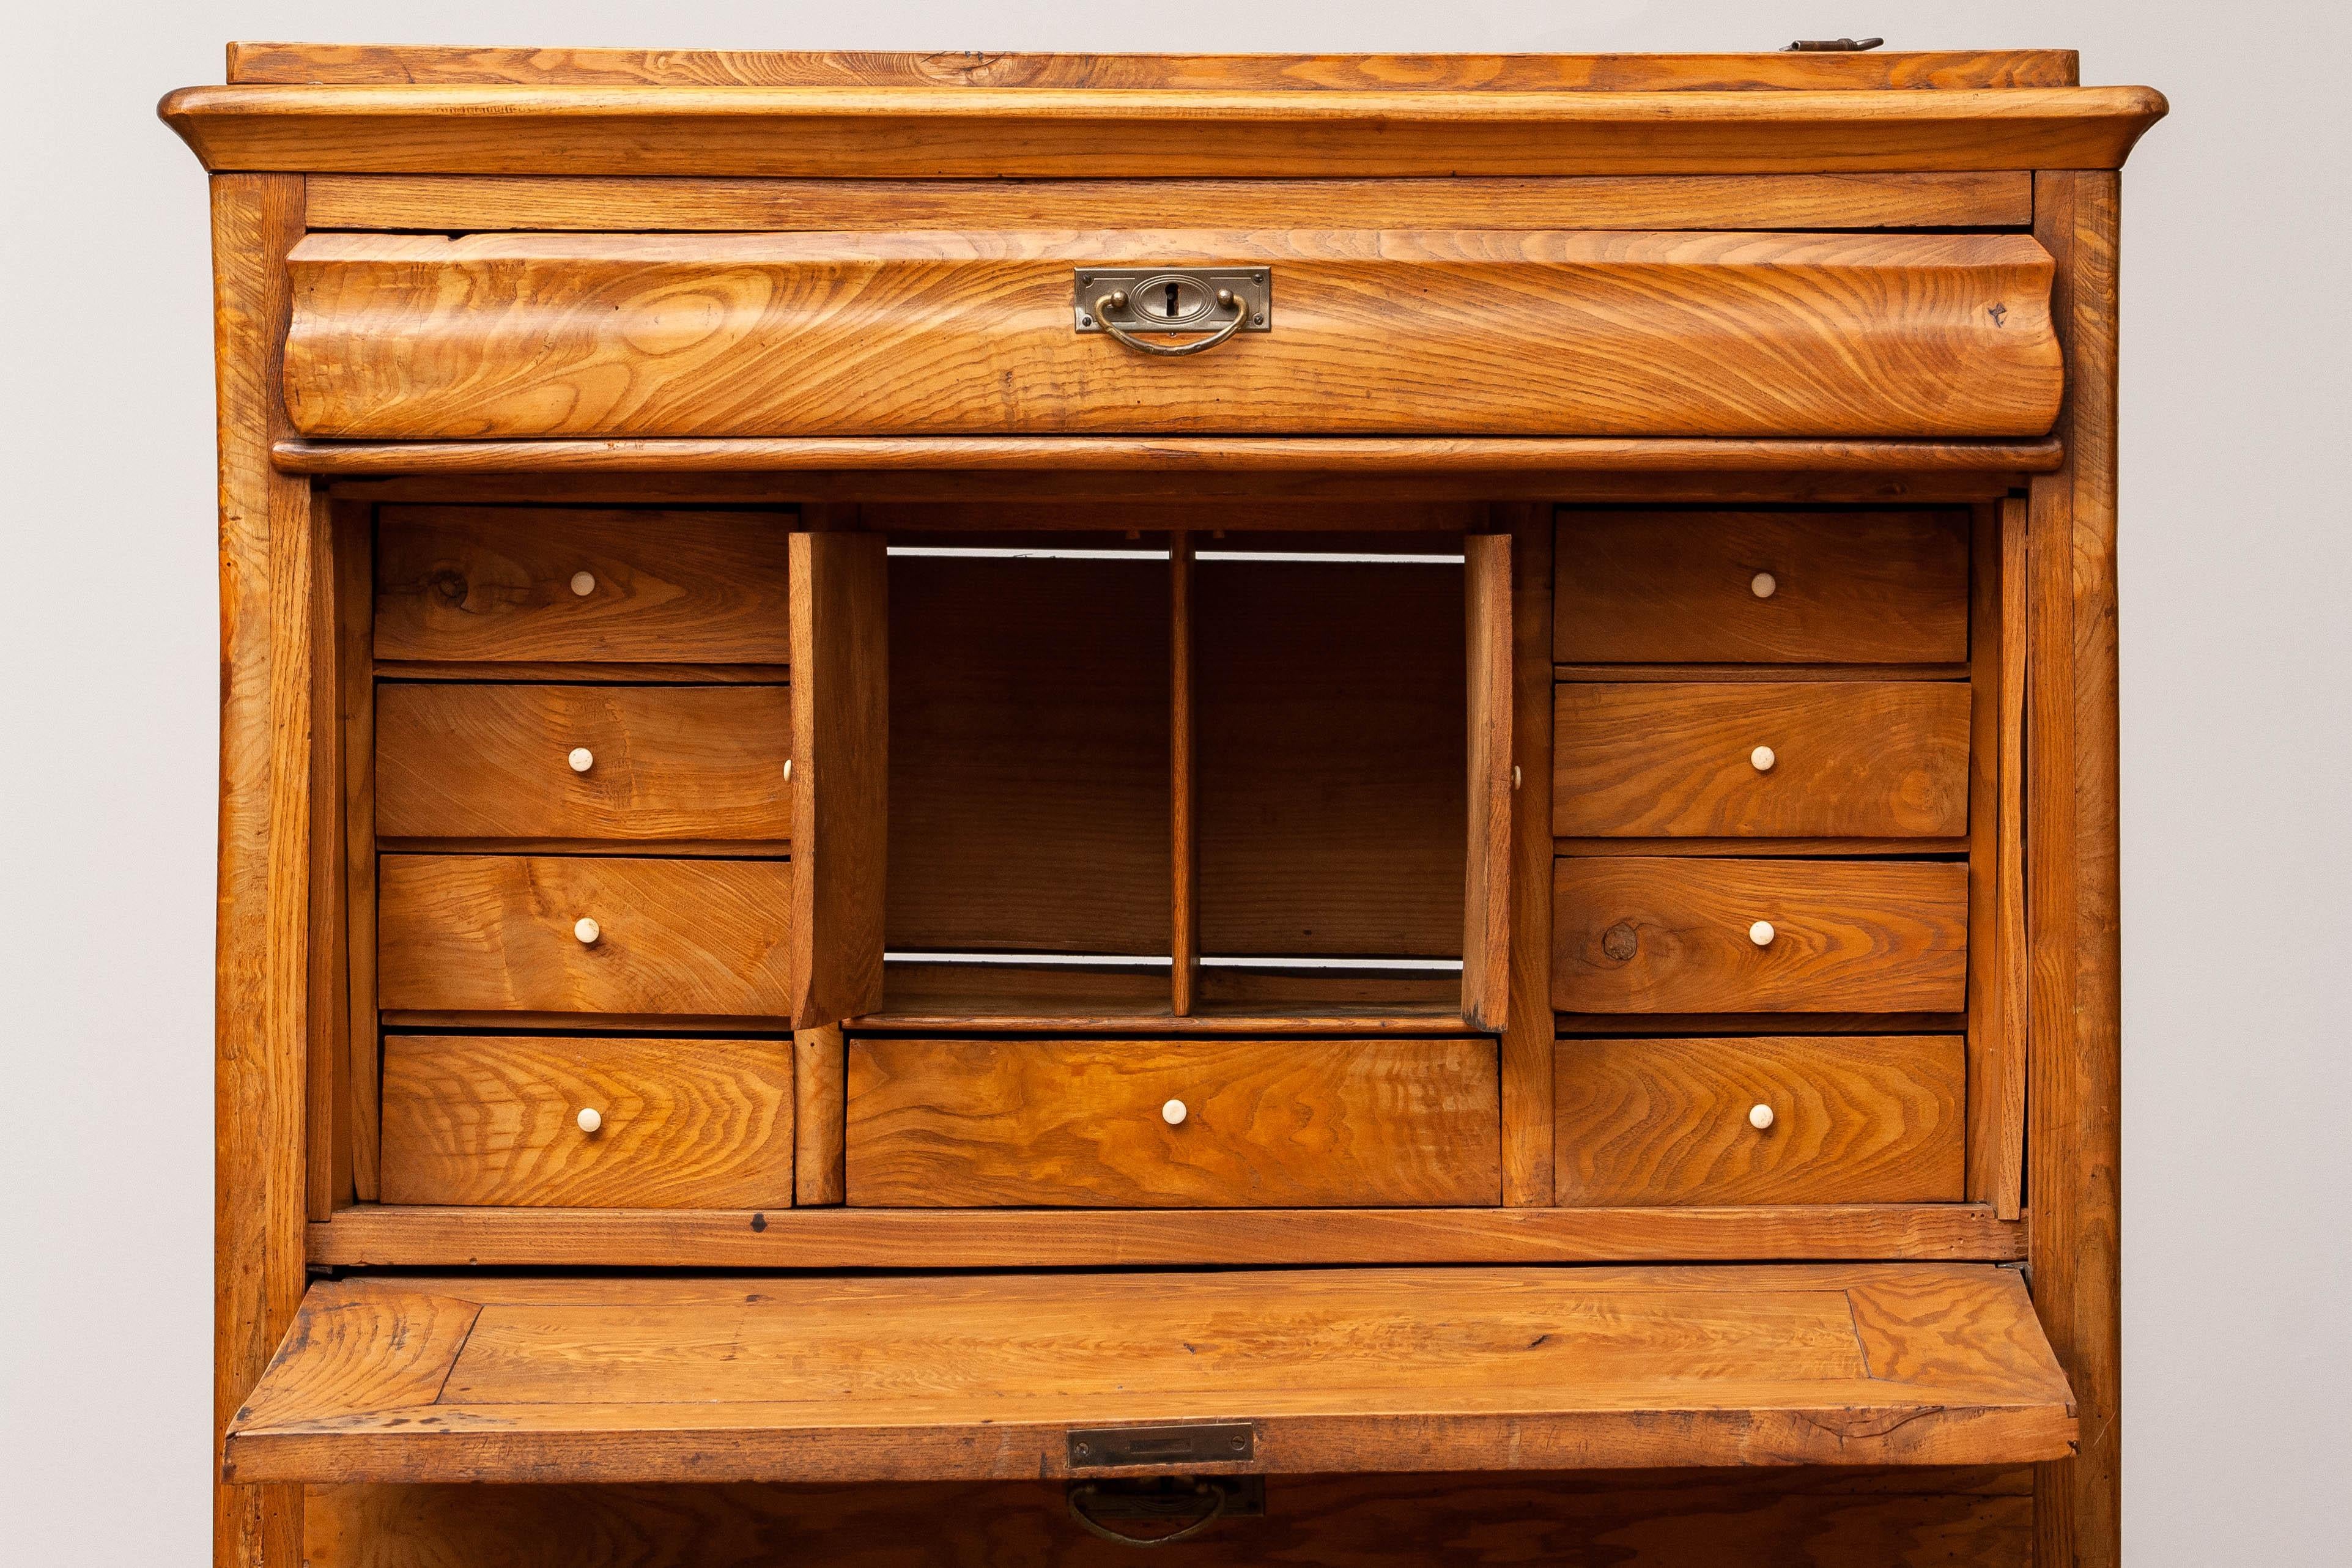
[
  {"x": 1852, "y": 1119},
  {"x": 1660, "y": 934},
  {"x": 587, "y": 1123},
  {"x": 583, "y": 933},
  {"x": 1173, "y": 1125}
]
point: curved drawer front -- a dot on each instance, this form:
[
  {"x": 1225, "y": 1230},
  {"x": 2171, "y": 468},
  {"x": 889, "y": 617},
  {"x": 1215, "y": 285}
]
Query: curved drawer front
[
  {"x": 1173, "y": 1124},
  {"x": 1395, "y": 331}
]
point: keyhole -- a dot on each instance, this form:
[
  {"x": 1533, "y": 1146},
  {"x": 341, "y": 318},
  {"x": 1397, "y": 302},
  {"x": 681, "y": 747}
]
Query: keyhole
[{"x": 1170, "y": 313}]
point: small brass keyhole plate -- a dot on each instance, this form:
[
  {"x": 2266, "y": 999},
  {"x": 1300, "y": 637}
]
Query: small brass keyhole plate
[{"x": 1171, "y": 298}]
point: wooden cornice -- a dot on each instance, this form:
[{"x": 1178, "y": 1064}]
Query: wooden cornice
[{"x": 949, "y": 132}]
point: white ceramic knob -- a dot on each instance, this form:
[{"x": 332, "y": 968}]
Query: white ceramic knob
[
  {"x": 590, "y": 1120},
  {"x": 583, "y": 583},
  {"x": 1763, "y": 584},
  {"x": 1761, "y": 759},
  {"x": 1761, "y": 933},
  {"x": 1173, "y": 1113},
  {"x": 788, "y": 770},
  {"x": 588, "y": 931},
  {"x": 1514, "y": 775},
  {"x": 582, "y": 759},
  {"x": 1760, "y": 1117}
]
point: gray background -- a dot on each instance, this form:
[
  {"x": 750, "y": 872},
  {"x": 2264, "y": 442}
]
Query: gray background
[{"x": 2235, "y": 573}]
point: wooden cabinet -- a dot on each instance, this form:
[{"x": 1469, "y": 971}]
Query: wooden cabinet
[{"x": 1051, "y": 796}]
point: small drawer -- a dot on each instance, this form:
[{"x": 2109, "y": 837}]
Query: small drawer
[
  {"x": 1208, "y": 1123},
  {"x": 1782, "y": 759},
  {"x": 523, "y": 584},
  {"x": 1643, "y": 934},
  {"x": 583, "y": 935},
  {"x": 1798, "y": 1119},
  {"x": 586, "y": 1123},
  {"x": 616, "y": 764},
  {"x": 1761, "y": 587}
]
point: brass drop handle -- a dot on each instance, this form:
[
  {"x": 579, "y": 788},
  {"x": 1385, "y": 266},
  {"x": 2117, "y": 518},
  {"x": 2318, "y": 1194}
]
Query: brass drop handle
[
  {"x": 1211, "y": 1497},
  {"x": 1226, "y": 300}
]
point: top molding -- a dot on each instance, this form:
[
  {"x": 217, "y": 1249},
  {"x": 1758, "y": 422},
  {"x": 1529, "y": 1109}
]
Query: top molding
[{"x": 1158, "y": 132}]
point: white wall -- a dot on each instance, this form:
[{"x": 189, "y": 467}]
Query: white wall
[{"x": 2236, "y": 571}]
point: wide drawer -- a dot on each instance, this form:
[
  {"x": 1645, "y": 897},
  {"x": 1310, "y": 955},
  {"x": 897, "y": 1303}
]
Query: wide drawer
[
  {"x": 1391, "y": 332},
  {"x": 571, "y": 584},
  {"x": 587, "y": 1123},
  {"x": 628, "y": 763},
  {"x": 1761, "y": 587},
  {"x": 1205, "y": 1123},
  {"x": 1846, "y": 1119},
  {"x": 1780, "y": 759},
  {"x": 501, "y": 932},
  {"x": 1645, "y": 934}
]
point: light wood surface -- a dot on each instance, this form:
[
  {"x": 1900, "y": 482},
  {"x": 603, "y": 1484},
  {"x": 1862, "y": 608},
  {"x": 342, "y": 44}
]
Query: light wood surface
[
  {"x": 1854, "y": 1118},
  {"x": 361, "y": 63},
  {"x": 1527, "y": 1042},
  {"x": 666, "y": 763},
  {"x": 1678, "y": 588},
  {"x": 327, "y": 1115},
  {"x": 980, "y": 132},
  {"x": 1861, "y": 759},
  {"x": 443, "y": 204},
  {"x": 820, "y": 1095},
  {"x": 506, "y": 337},
  {"x": 1634, "y": 934},
  {"x": 260, "y": 1023},
  {"x": 1998, "y": 985},
  {"x": 1491, "y": 784},
  {"x": 496, "y": 583},
  {"x": 682, "y": 1124},
  {"x": 948, "y": 1378},
  {"x": 946, "y": 1124},
  {"x": 1912, "y": 1518},
  {"x": 497, "y": 933},
  {"x": 841, "y": 714}
]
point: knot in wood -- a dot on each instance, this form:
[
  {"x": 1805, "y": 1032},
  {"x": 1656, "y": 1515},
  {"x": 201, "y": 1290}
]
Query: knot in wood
[{"x": 1619, "y": 942}]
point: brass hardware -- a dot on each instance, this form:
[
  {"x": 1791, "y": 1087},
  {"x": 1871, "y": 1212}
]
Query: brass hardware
[
  {"x": 1214, "y": 301},
  {"x": 1833, "y": 46},
  {"x": 1192, "y": 1442},
  {"x": 1202, "y": 1505}
]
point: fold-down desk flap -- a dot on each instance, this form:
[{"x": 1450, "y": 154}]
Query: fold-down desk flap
[{"x": 977, "y": 1377}]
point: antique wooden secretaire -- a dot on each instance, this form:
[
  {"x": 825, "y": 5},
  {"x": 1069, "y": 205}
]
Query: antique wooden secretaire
[{"x": 974, "y": 806}]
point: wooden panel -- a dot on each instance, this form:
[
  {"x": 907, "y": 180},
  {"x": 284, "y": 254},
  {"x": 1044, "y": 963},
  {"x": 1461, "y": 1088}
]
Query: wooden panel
[
  {"x": 1879, "y": 587},
  {"x": 1867, "y": 759},
  {"x": 1333, "y": 736},
  {"x": 497, "y": 933},
  {"x": 487, "y": 203},
  {"x": 1769, "y": 1518},
  {"x": 484, "y": 761},
  {"x": 1489, "y": 782},
  {"x": 1657, "y": 935},
  {"x": 423, "y": 65},
  {"x": 1029, "y": 740},
  {"x": 355, "y": 549},
  {"x": 260, "y": 1025},
  {"x": 841, "y": 708},
  {"x": 1184, "y": 785},
  {"x": 978, "y": 132},
  {"x": 1527, "y": 1042},
  {"x": 326, "y": 1116},
  {"x": 1265, "y": 1125},
  {"x": 820, "y": 1093},
  {"x": 1855, "y": 1119},
  {"x": 685, "y": 1123},
  {"x": 499, "y": 582},
  {"x": 487, "y": 336}
]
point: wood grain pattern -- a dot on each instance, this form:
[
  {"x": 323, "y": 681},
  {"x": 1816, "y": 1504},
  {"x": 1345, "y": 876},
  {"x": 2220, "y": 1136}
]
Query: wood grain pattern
[
  {"x": 496, "y": 583},
  {"x": 1879, "y": 587},
  {"x": 373, "y": 1236},
  {"x": 1183, "y": 783},
  {"x": 421, "y": 65},
  {"x": 327, "y": 1115},
  {"x": 1997, "y": 1020},
  {"x": 686, "y": 1123},
  {"x": 354, "y": 554},
  {"x": 1929, "y": 1518},
  {"x": 943, "y": 1123},
  {"x": 1857, "y": 1118},
  {"x": 1490, "y": 782},
  {"x": 1865, "y": 759},
  {"x": 1658, "y": 935},
  {"x": 489, "y": 762},
  {"x": 979, "y": 132},
  {"x": 458, "y": 204},
  {"x": 495, "y": 932},
  {"x": 1527, "y": 1042},
  {"x": 1341, "y": 1371},
  {"x": 820, "y": 1098},
  {"x": 841, "y": 714},
  {"x": 942, "y": 333},
  {"x": 260, "y": 1023}
]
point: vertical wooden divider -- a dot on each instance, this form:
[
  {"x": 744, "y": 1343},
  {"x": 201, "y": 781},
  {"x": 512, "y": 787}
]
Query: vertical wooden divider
[
  {"x": 1486, "y": 891},
  {"x": 1183, "y": 792},
  {"x": 354, "y": 576},
  {"x": 820, "y": 1116},
  {"x": 841, "y": 772},
  {"x": 326, "y": 1114},
  {"x": 1996, "y": 1029},
  {"x": 1527, "y": 1022}
]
